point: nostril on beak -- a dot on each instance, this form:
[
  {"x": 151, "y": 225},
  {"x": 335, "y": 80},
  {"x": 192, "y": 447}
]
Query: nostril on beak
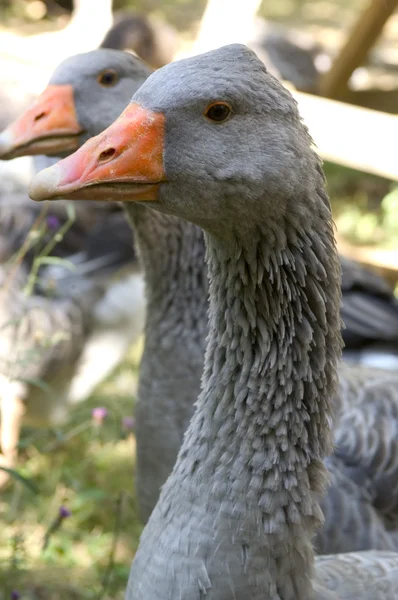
[
  {"x": 106, "y": 154},
  {"x": 40, "y": 116}
]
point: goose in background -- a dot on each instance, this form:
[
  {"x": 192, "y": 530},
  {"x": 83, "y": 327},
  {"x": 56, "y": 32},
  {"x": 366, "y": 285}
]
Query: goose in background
[
  {"x": 370, "y": 309},
  {"x": 175, "y": 278},
  {"x": 289, "y": 55},
  {"x": 175, "y": 338},
  {"x": 237, "y": 516},
  {"x": 370, "y": 314},
  {"x": 99, "y": 247},
  {"x": 154, "y": 42}
]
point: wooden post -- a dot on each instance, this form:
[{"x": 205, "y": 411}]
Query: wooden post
[{"x": 362, "y": 37}]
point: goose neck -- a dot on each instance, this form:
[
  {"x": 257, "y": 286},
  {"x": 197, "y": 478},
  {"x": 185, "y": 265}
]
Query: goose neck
[
  {"x": 256, "y": 444},
  {"x": 172, "y": 254}
]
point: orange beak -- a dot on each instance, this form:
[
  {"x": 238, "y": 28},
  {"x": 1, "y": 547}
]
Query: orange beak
[
  {"x": 125, "y": 162},
  {"x": 49, "y": 126}
]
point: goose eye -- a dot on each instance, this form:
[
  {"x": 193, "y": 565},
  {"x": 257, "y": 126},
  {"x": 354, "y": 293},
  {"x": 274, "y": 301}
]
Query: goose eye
[
  {"x": 108, "y": 78},
  {"x": 218, "y": 112}
]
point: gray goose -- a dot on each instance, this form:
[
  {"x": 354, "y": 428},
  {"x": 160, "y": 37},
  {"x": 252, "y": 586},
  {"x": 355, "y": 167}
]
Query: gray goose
[
  {"x": 370, "y": 315},
  {"x": 155, "y": 43},
  {"x": 237, "y": 515},
  {"x": 107, "y": 327},
  {"x": 176, "y": 289},
  {"x": 175, "y": 278}
]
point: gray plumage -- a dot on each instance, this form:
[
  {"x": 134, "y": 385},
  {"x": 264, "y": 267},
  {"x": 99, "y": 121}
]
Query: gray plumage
[
  {"x": 366, "y": 434},
  {"x": 172, "y": 253},
  {"x": 175, "y": 281},
  {"x": 370, "y": 315},
  {"x": 286, "y": 56},
  {"x": 155, "y": 43},
  {"x": 237, "y": 516}
]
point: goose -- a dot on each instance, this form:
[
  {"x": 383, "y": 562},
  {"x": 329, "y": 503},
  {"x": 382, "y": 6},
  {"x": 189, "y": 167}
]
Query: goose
[
  {"x": 155, "y": 43},
  {"x": 175, "y": 279},
  {"x": 369, "y": 309},
  {"x": 177, "y": 319},
  {"x": 216, "y": 140},
  {"x": 111, "y": 328}
]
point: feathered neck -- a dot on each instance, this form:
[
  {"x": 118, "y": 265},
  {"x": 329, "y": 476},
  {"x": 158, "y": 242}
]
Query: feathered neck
[
  {"x": 172, "y": 252},
  {"x": 256, "y": 444}
]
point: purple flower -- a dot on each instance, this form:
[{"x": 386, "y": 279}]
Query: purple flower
[
  {"x": 99, "y": 414},
  {"x": 52, "y": 222},
  {"x": 15, "y": 595},
  {"x": 63, "y": 512},
  {"x": 128, "y": 423}
]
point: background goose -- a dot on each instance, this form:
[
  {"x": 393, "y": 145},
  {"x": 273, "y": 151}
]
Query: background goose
[
  {"x": 176, "y": 282},
  {"x": 155, "y": 43},
  {"x": 238, "y": 513},
  {"x": 117, "y": 314},
  {"x": 288, "y": 55},
  {"x": 370, "y": 315},
  {"x": 177, "y": 290}
]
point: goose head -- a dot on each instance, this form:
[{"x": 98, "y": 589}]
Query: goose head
[
  {"x": 214, "y": 139},
  {"x": 85, "y": 94}
]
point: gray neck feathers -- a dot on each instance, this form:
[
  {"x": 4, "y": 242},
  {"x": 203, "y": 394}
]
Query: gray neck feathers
[
  {"x": 252, "y": 458},
  {"x": 172, "y": 253}
]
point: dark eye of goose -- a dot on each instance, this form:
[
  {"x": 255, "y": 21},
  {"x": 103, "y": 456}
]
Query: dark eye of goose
[
  {"x": 218, "y": 112},
  {"x": 108, "y": 78}
]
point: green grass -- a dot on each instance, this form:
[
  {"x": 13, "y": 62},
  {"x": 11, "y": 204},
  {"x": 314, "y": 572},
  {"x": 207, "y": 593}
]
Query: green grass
[{"x": 90, "y": 470}]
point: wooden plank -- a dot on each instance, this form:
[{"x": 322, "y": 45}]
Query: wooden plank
[
  {"x": 348, "y": 135},
  {"x": 376, "y": 99},
  {"x": 360, "y": 40}
]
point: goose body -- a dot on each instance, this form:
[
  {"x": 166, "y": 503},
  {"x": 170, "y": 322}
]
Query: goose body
[
  {"x": 176, "y": 289},
  {"x": 237, "y": 515},
  {"x": 363, "y": 494},
  {"x": 370, "y": 314}
]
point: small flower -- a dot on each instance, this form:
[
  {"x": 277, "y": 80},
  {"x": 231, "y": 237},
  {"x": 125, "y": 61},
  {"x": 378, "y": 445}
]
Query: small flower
[
  {"x": 15, "y": 595},
  {"x": 99, "y": 414},
  {"x": 128, "y": 423},
  {"x": 53, "y": 222},
  {"x": 63, "y": 512}
]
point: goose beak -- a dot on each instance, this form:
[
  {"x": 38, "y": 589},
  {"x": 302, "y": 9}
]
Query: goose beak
[
  {"x": 49, "y": 126},
  {"x": 123, "y": 163}
]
